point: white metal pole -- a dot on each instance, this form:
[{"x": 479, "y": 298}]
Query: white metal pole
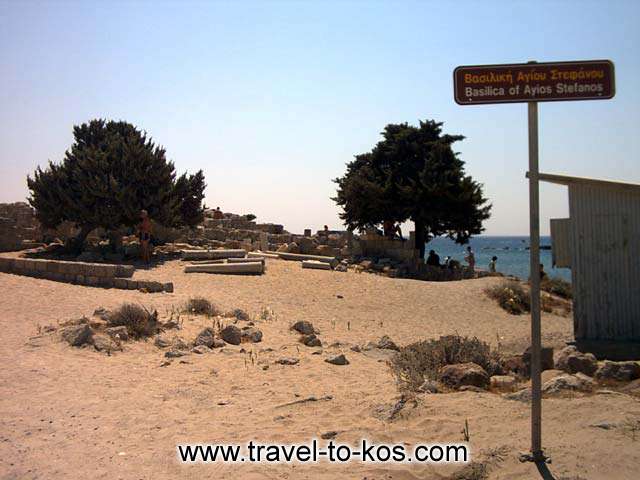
[{"x": 534, "y": 233}]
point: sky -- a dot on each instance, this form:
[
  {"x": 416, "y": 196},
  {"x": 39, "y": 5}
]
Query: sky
[{"x": 272, "y": 99}]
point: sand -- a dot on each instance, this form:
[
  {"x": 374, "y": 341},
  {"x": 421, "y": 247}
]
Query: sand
[{"x": 76, "y": 413}]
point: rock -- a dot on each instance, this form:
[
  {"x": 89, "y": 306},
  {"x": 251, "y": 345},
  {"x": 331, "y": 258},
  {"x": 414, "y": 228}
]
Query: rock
[
  {"x": 366, "y": 264},
  {"x": 283, "y": 248},
  {"x": 632, "y": 388},
  {"x": 75, "y": 321},
  {"x": 503, "y": 382},
  {"x": 461, "y": 374},
  {"x": 102, "y": 313},
  {"x": 287, "y": 361},
  {"x": 429, "y": 386},
  {"x": 175, "y": 354},
  {"x": 337, "y": 360},
  {"x": 578, "y": 382},
  {"x": 205, "y": 338},
  {"x": 471, "y": 388},
  {"x": 293, "y": 248},
  {"x": 105, "y": 343},
  {"x": 77, "y": 335},
  {"x": 311, "y": 340},
  {"x": 304, "y": 327},
  {"x": 171, "y": 324},
  {"x": 546, "y": 359},
  {"x": 231, "y": 334},
  {"x": 387, "y": 344},
  {"x": 218, "y": 343},
  {"x": 239, "y": 314},
  {"x": 162, "y": 342},
  {"x": 118, "y": 333},
  {"x": 329, "y": 435},
  {"x": 356, "y": 348},
  {"x": 251, "y": 334},
  {"x": 620, "y": 371},
  {"x": 200, "y": 349},
  {"x": 514, "y": 364},
  {"x": 523, "y": 395},
  {"x": 571, "y": 360}
]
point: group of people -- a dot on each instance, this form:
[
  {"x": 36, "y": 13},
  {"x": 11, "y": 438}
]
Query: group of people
[{"x": 434, "y": 260}]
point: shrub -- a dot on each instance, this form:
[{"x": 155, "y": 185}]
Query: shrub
[
  {"x": 250, "y": 217},
  {"x": 200, "y": 306},
  {"x": 557, "y": 286},
  {"x": 510, "y": 296},
  {"x": 139, "y": 321},
  {"x": 423, "y": 360}
]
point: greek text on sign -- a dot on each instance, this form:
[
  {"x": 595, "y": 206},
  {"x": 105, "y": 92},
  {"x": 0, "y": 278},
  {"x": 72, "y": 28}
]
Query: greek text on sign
[{"x": 534, "y": 82}]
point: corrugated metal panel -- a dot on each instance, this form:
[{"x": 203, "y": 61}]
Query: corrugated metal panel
[
  {"x": 605, "y": 262},
  {"x": 561, "y": 242}
]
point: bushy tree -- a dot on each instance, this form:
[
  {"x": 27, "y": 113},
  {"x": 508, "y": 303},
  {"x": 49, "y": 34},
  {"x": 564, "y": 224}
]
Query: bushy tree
[
  {"x": 413, "y": 174},
  {"x": 110, "y": 173}
]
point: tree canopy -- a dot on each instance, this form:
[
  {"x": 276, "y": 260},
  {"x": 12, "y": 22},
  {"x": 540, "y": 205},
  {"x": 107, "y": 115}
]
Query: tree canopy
[
  {"x": 413, "y": 174},
  {"x": 111, "y": 172}
]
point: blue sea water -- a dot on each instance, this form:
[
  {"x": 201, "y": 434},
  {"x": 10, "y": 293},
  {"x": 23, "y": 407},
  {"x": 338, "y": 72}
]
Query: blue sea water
[{"x": 512, "y": 253}]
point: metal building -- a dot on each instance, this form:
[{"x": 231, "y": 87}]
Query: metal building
[{"x": 600, "y": 243}]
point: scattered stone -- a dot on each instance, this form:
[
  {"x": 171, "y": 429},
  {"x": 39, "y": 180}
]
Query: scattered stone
[
  {"x": 304, "y": 327},
  {"x": 175, "y": 354},
  {"x": 571, "y": 360},
  {"x": 329, "y": 435},
  {"x": 231, "y": 334},
  {"x": 337, "y": 360},
  {"x": 102, "y": 313},
  {"x": 118, "y": 333},
  {"x": 287, "y": 361},
  {"x": 166, "y": 363},
  {"x": 265, "y": 367},
  {"x": 632, "y": 388},
  {"x": 604, "y": 425},
  {"x": 429, "y": 386},
  {"x": 161, "y": 342},
  {"x": 316, "y": 352},
  {"x": 311, "y": 340},
  {"x": 75, "y": 321},
  {"x": 471, "y": 388},
  {"x": 251, "y": 334},
  {"x": 205, "y": 338},
  {"x": 386, "y": 343},
  {"x": 578, "y": 382},
  {"x": 201, "y": 349},
  {"x": 356, "y": 348},
  {"x": 619, "y": 371},
  {"x": 461, "y": 374},
  {"x": 523, "y": 395},
  {"x": 77, "y": 335},
  {"x": 170, "y": 325},
  {"x": 503, "y": 382},
  {"x": 514, "y": 364},
  {"x": 546, "y": 359},
  {"x": 239, "y": 314},
  {"x": 218, "y": 343},
  {"x": 104, "y": 343}
]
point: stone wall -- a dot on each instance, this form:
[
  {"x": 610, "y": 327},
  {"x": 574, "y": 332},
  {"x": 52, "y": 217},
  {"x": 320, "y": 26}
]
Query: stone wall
[
  {"x": 18, "y": 227},
  {"x": 374, "y": 245},
  {"x": 81, "y": 273}
]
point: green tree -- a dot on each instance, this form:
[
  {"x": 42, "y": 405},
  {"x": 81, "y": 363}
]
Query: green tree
[
  {"x": 413, "y": 174},
  {"x": 110, "y": 173}
]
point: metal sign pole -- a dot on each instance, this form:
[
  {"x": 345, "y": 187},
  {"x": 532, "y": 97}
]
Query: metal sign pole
[{"x": 534, "y": 235}]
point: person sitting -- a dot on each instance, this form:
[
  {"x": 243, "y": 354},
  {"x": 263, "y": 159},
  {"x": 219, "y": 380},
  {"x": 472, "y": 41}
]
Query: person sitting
[
  {"x": 433, "y": 259},
  {"x": 492, "y": 264},
  {"x": 217, "y": 214},
  {"x": 543, "y": 274}
]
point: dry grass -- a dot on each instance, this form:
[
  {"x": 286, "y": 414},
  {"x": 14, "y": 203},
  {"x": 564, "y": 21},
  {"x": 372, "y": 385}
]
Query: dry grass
[
  {"x": 557, "y": 286},
  {"x": 140, "y": 322},
  {"x": 422, "y": 360},
  {"x": 201, "y": 306},
  {"x": 511, "y": 296}
]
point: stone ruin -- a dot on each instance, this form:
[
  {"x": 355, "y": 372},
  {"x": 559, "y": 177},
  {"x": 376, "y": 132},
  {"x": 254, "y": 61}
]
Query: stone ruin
[{"x": 19, "y": 228}]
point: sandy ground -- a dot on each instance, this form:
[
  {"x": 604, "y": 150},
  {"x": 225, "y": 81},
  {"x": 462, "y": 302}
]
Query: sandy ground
[{"x": 69, "y": 413}]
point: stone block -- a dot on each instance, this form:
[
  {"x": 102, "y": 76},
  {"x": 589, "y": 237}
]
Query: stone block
[
  {"x": 91, "y": 280},
  {"x": 168, "y": 287},
  {"x": 125, "y": 271},
  {"x": 132, "y": 285},
  {"x": 105, "y": 282},
  {"x": 120, "y": 283},
  {"x": 80, "y": 279}
]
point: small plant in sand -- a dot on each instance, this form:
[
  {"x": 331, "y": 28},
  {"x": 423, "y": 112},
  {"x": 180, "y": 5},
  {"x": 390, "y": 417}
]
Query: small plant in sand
[
  {"x": 266, "y": 315},
  {"x": 140, "y": 322},
  {"x": 511, "y": 296},
  {"x": 557, "y": 286},
  {"x": 423, "y": 360},
  {"x": 200, "y": 306}
]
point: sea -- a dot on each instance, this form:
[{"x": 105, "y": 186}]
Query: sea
[{"x": 512, "y": 253}]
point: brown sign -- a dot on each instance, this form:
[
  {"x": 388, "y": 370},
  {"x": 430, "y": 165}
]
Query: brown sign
[{"x": 534, "y": 82}]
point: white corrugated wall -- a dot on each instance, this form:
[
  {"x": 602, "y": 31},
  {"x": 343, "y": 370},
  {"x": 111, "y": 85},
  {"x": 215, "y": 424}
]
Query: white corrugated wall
[{"x": 605, "y": 262}]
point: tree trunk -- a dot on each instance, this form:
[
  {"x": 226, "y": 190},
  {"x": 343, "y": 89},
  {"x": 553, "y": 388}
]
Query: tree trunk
[
  {"x": 77, "y": 243},
  {"x": 421, "y": 236}
]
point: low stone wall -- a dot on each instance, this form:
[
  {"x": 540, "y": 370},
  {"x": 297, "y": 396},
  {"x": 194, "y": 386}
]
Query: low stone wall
[
  {"x": 81, "y": 273},
  {"x": 373, "y": 245}
]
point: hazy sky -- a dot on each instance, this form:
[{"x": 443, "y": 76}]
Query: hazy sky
[{"x": 271, "y": 99}]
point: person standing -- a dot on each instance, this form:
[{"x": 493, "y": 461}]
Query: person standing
[
  {"x": 144, "y": 232},
  {"x": 492, "y": 264},
  {"x": 470, "y": 258}
]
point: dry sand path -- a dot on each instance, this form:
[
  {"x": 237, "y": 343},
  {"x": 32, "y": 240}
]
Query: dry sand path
[{"x": 69, "y": 413}]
